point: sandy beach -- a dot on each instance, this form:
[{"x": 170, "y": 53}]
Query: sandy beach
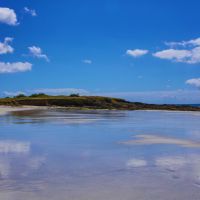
[{"x": 5, "y": 109}]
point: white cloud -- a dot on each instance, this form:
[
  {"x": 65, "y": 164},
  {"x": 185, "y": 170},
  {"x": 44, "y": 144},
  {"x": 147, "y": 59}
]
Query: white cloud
[
  {"x": 173, "y": 54},
  {"x": 161, "y": 97},
  {"x": 37, "y": 52},
  {"x": 189, "y": 52},
  {"x": 61, "y": 91},
  {"x": 194, "y": 82},
  {"x": 8, "y": 16},
  {"x": 30, "y": 11},
  {"x": 14, "y": 67},
  {"x": 5, "y": 47},
  {"x": 195, "y": 56},
  {"x": 6, "y": 93},
  {"x": 87, "y": 61},
  {"x": 50, "y": 91},
  {"x": 193, "y": 42},
  {"x": 136, "y": 52}
]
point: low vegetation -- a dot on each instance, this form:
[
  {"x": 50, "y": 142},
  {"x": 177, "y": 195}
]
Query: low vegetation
[{"x": 88, "y": 102}]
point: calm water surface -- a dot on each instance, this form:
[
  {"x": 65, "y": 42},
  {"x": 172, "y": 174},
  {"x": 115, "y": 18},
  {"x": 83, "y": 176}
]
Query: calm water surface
[{"x": 80, "y": 155}]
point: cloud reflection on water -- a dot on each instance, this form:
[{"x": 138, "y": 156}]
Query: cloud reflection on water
[
  {"x": 11, "y": 146},
  {"x": 136, "y": 163},
  {"x": 186, "y": 167}
]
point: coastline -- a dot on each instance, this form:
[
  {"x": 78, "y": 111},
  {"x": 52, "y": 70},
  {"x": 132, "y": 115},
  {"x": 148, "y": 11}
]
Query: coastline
[
  {"x": 6, "y": 109},
  {"x": 89, "y": 103}
]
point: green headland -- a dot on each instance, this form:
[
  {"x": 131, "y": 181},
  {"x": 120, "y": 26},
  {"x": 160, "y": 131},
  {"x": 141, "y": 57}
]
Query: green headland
[{"x": 75, "y": 101}]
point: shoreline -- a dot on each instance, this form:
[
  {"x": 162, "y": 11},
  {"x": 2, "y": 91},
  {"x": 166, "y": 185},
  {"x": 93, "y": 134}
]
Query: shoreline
[
  {"x": 90, "y": 103},
  {"x": 6, "y": 109}
]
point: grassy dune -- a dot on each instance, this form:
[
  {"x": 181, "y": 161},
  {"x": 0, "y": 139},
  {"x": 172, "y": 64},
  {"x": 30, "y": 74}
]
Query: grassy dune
[{"x": 90, "y": 102}]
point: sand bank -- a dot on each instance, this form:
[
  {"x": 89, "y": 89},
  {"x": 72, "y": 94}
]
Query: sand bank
[{"x": 154, "y": 139}]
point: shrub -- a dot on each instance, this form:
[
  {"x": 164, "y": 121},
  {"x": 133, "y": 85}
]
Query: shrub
[
  {"x": 20, "y": 96},
  {"x": 74, "y": 95},
  {"x": 38, "y": 95}
]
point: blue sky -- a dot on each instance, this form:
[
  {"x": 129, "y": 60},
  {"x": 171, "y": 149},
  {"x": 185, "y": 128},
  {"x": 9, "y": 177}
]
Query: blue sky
[{"x": 139, "y": 50}]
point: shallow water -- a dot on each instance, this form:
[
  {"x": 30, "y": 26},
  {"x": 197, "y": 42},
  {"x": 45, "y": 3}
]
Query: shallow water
[{"x": 86, "y": 155}]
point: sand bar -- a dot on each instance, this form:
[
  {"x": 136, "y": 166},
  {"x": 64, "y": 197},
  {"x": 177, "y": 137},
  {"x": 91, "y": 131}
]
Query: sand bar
[{"x": 155, "y": 139}]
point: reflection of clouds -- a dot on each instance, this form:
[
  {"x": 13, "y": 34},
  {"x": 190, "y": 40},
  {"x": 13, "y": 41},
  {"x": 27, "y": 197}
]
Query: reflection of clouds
[
  {"x": 11, "y": 146},
  {"x": 136, "y": 163},
  {"x": 186, "y": 166},
  {"x": 172, "y": 162},
  {"x": 36, "y": 162},
  {"x": 4, "y": 168},
  {"x": 8, "y": 167}
]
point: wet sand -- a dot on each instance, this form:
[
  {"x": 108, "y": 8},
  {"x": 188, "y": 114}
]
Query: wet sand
[
  {"x": 6, "y": 109},
  {"x": 154, "y": 139},
  {"x": 51, "y": 154}
]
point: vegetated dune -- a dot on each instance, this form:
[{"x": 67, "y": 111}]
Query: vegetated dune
[{"x": 91, "y": 102}]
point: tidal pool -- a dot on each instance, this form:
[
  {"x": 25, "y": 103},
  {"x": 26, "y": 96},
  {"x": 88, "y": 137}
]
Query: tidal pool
[{"x": 99, "y": 155}]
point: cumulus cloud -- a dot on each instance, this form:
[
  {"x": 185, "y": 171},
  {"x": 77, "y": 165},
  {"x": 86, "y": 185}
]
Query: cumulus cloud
[
  {"x": 136, "y": 52},
  {"x": 30, "y": 11},
  {"x": 173, "y": 54},
  {"x": 14, "y": 67},
  {"x": 87, "y": 61},
  {"x": 185, "y": 51},
  {"x": 8, "y": 16},
  {"x": 193, "y": 42},
  {"x": 194, "y": 82},
  {"x": 5, "y": 47},
  {"x": 37, "y": 53}
]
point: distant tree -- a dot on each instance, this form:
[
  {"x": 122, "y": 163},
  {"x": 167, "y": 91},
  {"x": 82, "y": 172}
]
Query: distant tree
[
  {"x": 38, "y": 95},
  {"x": 74, "y": 95},
  {"x": 20, "y": 96}
]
